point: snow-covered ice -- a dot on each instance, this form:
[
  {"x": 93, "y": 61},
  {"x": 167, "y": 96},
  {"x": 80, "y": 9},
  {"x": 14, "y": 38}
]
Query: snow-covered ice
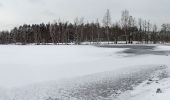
[
  {"x": 39, "y": 71},
  {"x": 24, "y": 65}
]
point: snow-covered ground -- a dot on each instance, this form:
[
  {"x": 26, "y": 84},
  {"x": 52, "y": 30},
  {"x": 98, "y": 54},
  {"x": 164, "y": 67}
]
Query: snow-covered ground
[
  {"x": 40, "y": 72},
  {"x": 155, "y": 88}
]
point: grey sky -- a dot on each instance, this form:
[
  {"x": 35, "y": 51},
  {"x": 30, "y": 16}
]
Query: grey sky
[{"x": 17, "y": 12}]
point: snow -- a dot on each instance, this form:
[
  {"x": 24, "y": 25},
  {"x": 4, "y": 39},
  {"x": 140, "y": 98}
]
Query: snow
[
  {"x": 163, "y": 47},
  {"x": 24, "y": 65},
  {"x": 30, "y": 70},
  {"x": 148, "y": 90}
]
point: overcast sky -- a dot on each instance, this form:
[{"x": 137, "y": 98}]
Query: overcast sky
[{"x": 18, "y": 12}]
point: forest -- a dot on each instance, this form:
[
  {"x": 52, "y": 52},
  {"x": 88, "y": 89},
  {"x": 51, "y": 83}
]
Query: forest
[{"x": 128, "y": 30}]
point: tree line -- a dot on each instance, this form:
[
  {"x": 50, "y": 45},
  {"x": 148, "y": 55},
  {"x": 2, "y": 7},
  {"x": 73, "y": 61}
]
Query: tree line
[{"x": 128, "y": 29}]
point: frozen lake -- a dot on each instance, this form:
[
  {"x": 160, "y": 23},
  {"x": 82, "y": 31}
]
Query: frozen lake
[{"x": 24, "y": 65}]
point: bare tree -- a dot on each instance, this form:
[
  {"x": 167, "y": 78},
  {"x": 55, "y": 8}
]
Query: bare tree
[
  {"x": 144, "y": 24},
  {"x": 125, "y": 22},
  {"x": 98, "y": 30},
  {"x": 154, "y": 36},
  {"x": 140, "y": 30},
  {"x": 131, "y": 28},
  {"x": 148, "y": 31},
  {"x": 107, "y": 23},
  {"x": 81, "y": 23},
  {"x": 78, "y": 22}
]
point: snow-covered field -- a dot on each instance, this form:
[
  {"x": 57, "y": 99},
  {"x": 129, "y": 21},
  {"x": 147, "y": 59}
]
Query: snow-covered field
[{"x": 82, "y": 72}]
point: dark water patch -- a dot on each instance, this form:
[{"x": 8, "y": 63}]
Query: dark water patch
[
  {"x": 135, "y": 52},
  {"x": 128, "y": 46}
]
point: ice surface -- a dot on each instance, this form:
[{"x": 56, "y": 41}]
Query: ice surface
[
  {"x": 23, "y": 65},
  {"x": 37, "y": 71}
]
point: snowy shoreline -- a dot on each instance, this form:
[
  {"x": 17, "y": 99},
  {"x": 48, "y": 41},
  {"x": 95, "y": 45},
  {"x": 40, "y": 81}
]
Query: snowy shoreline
[{"x": 152, "y": 89}]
